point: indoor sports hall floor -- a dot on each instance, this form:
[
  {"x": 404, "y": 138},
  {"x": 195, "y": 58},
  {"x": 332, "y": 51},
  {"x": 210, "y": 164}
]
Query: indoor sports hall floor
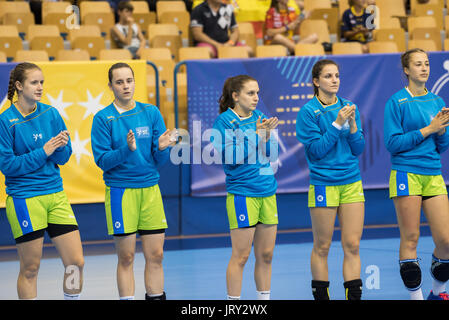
[{"x": 195, "y": 268}]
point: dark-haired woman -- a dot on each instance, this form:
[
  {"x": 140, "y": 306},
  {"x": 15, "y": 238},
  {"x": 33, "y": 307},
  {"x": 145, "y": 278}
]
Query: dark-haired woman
[
  {"x": 129, "y": 139},
  {"x": 415, "y": 134},
  {"x": 34, "y": 142},
  {"x": 243, "y": 137},
  {"x": 329, "y": 128}
]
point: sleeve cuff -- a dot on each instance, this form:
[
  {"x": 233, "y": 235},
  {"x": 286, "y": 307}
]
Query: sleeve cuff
[{"x": 337, "y": 126}]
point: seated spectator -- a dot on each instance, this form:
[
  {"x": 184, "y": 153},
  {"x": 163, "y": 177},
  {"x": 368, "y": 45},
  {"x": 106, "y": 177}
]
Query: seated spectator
[
  {"x": 126, "y": 33},
  {"x": 354, "y": 24},
  {"x": 282, "y": 25},
  {"x": 211, "y": 22}
]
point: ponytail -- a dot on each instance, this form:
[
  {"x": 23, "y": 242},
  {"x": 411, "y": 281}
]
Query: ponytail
[{"x": 231, "y": 85}]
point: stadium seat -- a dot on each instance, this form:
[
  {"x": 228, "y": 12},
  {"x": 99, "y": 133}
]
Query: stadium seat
[
  {"x": 389, "y": 23},
  {"x": 13, "y": 7},
  {"x": 420, "y": 22},
  {"x": 87, "y": 7},
  {"x": 309, "y": 49},
  {"x": 428, "y": 34},
  {"x": 3, "y": 56},
  {"x": 233, "y": 52},
  {"x": 88, "y": 38},
  {"x": 72, "y": 55},
  {"x": 382, "y": 47},
  {"x": 166, "y": 6},
  {"x": 115, "y": 54},
  {"x": 415, "y": 3},
  {"x": 140, "y": 6},
  {"x": 58, "y": 19},
  {"x": 181, "y": 19},
  {"x": 446, "y": 44},
  {"x": 347, "y": 48},
  {"x": 274, "y": 50},
  {"x": 310, "y": 5},
  {"x": 165, "y": 36},
  {"x": 10, "y": 42},
  {"x": 144, "y": 19},
  {"x": 193, "y": 53},
  {"x": 104, "y": 20},
  {"x": 247, "y": 36},
  {"x": 319, "y": 27},
  {"x": 426, "y": 45},
  {"x": 430, "y": 10},
  {"x": 31, "y": 55},
  {"x": 396, "y": 35},
  {"x": 446, "y": 25},
  {"x": 391, "y": 8},
  {"x": 54, "y": 7},
  {"x": 45, "y": 37},
  {"x": 20, "y": 19},
  {"x": 330, "y": 15}
]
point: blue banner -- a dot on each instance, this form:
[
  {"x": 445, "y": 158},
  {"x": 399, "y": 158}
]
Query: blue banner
[{"x": 285, "y": 86}]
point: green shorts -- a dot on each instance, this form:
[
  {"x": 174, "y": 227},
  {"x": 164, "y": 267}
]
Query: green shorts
[
  {"x": 333, "y": 196},
  {"x": 32, "y": 214},
  {"x": 131, "y": 209},
  {"x": 248, "y": 211},
  {"x": 410, "y": 184}
]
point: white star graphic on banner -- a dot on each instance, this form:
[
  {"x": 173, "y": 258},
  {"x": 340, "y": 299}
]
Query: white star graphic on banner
[
  {"x": 59, "y": 104},
  {"x": 92, "y": 105},
  {"x": 79, "y": 147}
]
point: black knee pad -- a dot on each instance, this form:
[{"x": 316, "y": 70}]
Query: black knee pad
[
  {"x": 440, "y": 269},
  {"x": 411, "y": 274},
  {"x": 353, "y": 289}
]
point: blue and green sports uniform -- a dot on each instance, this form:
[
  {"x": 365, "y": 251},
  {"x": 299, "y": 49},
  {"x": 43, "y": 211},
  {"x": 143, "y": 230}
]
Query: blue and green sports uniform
[
  {"x": 33, "y": 181},
  {"x": 415, "y": 160},
  {"x": 250, "y": 180},
  {"x": 131, "y": 178},
  {"x": 331, "y": 153}
]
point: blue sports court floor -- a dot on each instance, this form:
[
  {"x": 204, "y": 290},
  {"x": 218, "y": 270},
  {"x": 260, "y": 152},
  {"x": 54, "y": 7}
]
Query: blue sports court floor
[{"x": 195, "y": 273}]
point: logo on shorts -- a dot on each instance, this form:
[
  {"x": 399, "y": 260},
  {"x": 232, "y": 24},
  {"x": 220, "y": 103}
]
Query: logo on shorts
[
  {"x": 117, "y": 224},
  {"x": 402, "y": 187},
  {"x": 242, "y": 217},
  {"x": 25, "y": 223},
  {"x": 320, "y": 198}
]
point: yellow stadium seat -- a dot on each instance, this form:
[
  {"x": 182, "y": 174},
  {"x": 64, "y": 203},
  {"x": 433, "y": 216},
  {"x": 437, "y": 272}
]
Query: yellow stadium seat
[
  {"x": 58, "y": 19},
  {"x": 193, "y": 53},
  {"x": 20, "y": 19},
  {"x": 180, "y": 19},
  {"x": 31, "y": 55},
  {"x": 446, "y": 44},
  {"x": 274, "y": 50},
  {"x": 391, "y": 8},
  {"x": 309, "y": 49},
  {"x": 430, "y": 10},
  {"x": 10, "y": 42},
  {"x": 144, "y": 19},
  {"x": 165, "y": 29},
  {"x": 428, "y": 34},
  {"x": 94, "y": 7},
  {"x": 310, "y": 5},
  {"x": 330, "y": 15},
  {"x": 232, "y": 52},
  {"x": 389, "y": 23},
  {"x": 115, "y": 54},
  {"x": 426, "y": 45},
  {"x": 140, "y": 6},
  {"x": 104, "y": 20},
  {"x": 45, "y": 37},
  {"x": 165, "y": 36},
  {"x": 382, "y": 47},
  {"x": 446, "y": 25},
  {"x": 420, "y": 22},
  {"x": 347, "y": 48},
  {"x": 54, "y": 7},
  {"x": 414, "y": 4},
  {"x": 247, "y": 36},
  {"x": 165, "y": 6},
  {"x": 319, "y": 27},
  {"x": 13, "y": 6},
  {"x": 2, "y": 56},
  {"x": 396, "y": 35},
  {"x": 72, "y": 55},
  {"x": 88, "y": 38}
]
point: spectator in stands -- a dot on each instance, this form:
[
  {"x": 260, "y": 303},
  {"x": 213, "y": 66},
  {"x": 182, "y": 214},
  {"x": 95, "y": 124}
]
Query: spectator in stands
[
  {"x": 211, "y": 22},
  {"x": 354, "y": 25},
  {"x": 126, "y": 33},
  {"x": 282, "y": 26}
]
